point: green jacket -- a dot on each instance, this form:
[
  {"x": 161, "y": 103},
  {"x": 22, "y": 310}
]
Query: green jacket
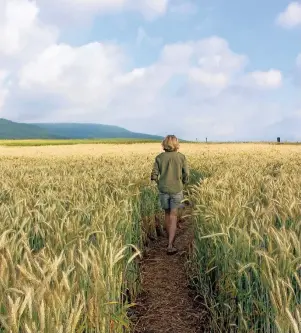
[{"x": 170, "y": 171}]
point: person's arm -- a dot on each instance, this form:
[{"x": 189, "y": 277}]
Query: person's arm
[
  {"x": 155, "y": 171},
  {"x": 185, "y": 172}
]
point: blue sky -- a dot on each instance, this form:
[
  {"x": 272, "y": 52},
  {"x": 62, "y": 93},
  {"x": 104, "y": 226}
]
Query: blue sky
[
  {"x": 249, "y": 27},
  {"x": 227, "y": 70}
]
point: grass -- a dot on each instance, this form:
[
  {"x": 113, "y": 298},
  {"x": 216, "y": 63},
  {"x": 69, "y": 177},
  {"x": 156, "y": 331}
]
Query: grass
[
  {"x": 68, "y": 142},
  {"x": 34, "y": 142},
  {"x": 74, "y": 221},
  {"x": 56, "y": 142}
]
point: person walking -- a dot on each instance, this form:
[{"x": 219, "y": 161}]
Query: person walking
[{"x": 170, "y": 172}]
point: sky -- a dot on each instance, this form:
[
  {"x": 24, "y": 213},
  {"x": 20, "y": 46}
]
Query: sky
[{"x": 225, "y": 70}]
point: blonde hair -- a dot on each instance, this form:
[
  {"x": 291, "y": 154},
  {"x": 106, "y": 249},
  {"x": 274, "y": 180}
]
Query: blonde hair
[{"x": 170, "y": 143}]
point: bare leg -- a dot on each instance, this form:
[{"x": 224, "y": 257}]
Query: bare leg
[
  {"x": 180, "y": 216},
  {"x": 172, "y": 228},
  {"x": 167, "y": 220}
]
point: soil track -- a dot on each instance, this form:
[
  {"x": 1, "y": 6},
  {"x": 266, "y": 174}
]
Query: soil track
[{"x": 167, "y": 304}]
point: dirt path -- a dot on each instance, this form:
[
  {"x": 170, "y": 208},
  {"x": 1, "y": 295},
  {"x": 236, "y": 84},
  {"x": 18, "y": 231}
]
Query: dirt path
[{"x": 166, "y": 304}]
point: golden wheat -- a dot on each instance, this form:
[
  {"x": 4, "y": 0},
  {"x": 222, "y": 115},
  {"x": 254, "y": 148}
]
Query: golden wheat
[
  {"x": 247, "y": 255},
  {"x": 73, "y": 220},
  {"x": 67, "y": 225}
]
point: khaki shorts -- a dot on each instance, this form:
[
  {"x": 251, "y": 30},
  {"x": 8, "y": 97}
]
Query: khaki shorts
[{"x": 171, "y": 201}]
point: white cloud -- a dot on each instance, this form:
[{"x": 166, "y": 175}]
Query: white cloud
[
  {"x": 22, "y": 36},
  {"x": 91, "y": 83},
  {"x": 297, "y": 114},
  {"x": 194, "y": 88},
  {"x": 210, "y": 80},
  {"x": 93, "y": 75},
  {"x": 21, "y": 30},
  {"x": 211, "y": 54},
  {"x": 209, "y": 63},
  {"x": 80, "y": 9},
  {"x": 291, "y": 17},
  {"x": 131, "y": 77},
  {"x": 267, "y": 80},
  {"x": 287, "y": 127},
  {"x": 84, "y": 76},
  {"x": 3, "y": 88}
]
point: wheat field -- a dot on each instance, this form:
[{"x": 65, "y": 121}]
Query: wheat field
[
  {"x": 247, "y": 257},
  {"x": 74, "y": 220}
]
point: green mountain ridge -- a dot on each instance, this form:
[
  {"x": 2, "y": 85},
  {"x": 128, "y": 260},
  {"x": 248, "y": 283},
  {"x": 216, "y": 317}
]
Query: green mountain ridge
[
  {"x": 15, "y": 130},
  {"x": 92, "y": 131}
]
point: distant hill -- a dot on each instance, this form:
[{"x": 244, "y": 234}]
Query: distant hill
[
  {"x": 92, "y": 131},
  {"x": 14, "y": 130}
]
